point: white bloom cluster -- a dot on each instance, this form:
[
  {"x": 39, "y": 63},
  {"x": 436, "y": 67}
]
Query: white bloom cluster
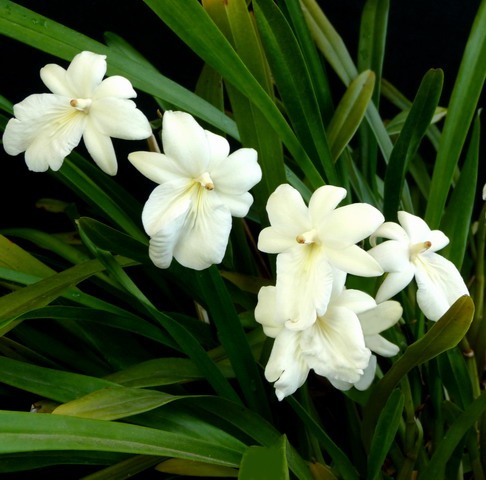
[{"x": 317, "y": 323}]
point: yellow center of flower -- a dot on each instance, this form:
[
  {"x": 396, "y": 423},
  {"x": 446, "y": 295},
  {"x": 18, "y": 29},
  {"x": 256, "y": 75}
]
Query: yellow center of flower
[
  {"x": 81, "y": 104},
  {"x": 205, "y": 181},
  {"x": 307, "y": 238},
  {"x": 420, "y": 247}
]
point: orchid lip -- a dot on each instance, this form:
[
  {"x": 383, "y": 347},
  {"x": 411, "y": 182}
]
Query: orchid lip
[{"x": 81, "y": 104}]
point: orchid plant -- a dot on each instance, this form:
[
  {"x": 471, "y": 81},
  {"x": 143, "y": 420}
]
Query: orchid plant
[{"x": 276, "y": 306}]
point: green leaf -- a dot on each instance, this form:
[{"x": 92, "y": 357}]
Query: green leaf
[
  {"x": 49, "y": 383},
  {"x": 238, "y": 26},
  {"x": 294, "y": 84},
  {"x": 464, "y": 99},
  {"x": 446, "y": 333},
  {"x": 342, "y": 463},
  {"x": 435, "y": 469},
  {"x": 26, "y": 432},
  {"x": 158, "y": 372},
  {"x": 45, "y": 291},
  {"x": 190, "y": 468},
  {"x": 385, "y": 431},
  {"x": 194, "y": 26},
  {"x": 350, "y": 112},
  {"x": 115, "y": 402},
  {"x": 232, "y": 336},
  {"x": 418, "y": 120},
  {"x": 262, "y": 463},
  {"x": 459, "y": 213}
]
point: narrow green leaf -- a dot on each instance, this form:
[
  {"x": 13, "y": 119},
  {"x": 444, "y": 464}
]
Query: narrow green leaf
[
  {"x": 182, "y": 336},
  {"x": 125, "y": 468},
  {"x": 232, "y": 336},
  {"x": 261, "y": 463},
  {"x": 30, "y": 461},
  {"x": 331, "y": 45},
  {"x": 456, "y": 223},
  {"x": 294, "y": 84},
  {"x": 418, "y": 120},
  {"x": 342, "y": 463},
  {"x": 25, "y": 432},
  {"x": 350, "y": 112},
  {"x": 194, "y": 26},
  {"x": 45, "y": 291},
  {"x": 385, "y": 431},
  {"x": 115, "y": 402},
  {"x": 464, "y": 99},
  {"x": 190, "y": 468},
  {"x": 238, "y": 26},
  {"x": 435, "y": 469},
  {"x": 49, "y": 383},
  {"x": 157, "y": 372},
  {"x": 444, "y": 334}
]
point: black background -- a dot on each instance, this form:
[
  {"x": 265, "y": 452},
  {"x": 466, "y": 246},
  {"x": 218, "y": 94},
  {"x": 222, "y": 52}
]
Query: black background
[{"x": 422, "y": 34}]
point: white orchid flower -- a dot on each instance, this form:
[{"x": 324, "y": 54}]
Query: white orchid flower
[
  {"x": 373, "y": 321},
  {"x": 316, "y": 247},
  {"x": 410, "y": 252},
  {"x": 333, "y": 346},
  {"x": 48, "y": 126},
  {"x": 188, "y": 216}
]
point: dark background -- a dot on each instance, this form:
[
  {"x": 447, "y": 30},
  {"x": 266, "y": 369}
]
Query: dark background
[{"x": 422, "y": 34}]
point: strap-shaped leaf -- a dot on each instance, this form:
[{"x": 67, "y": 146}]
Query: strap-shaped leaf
[
  {"x": 462, "y": 106},
  {"x": 350, "y": 112},
  {"x": 444, "y": 334},
  {"x": 418, "y": 120}
]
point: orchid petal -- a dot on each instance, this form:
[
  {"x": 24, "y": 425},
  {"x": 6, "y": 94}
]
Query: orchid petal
[
  {"x": 238, "y": 205},
  {"x": 368, "y": 376},
  {"x": 392, "y": 255},
  {"x": 115, "y": 86},
  {"x": 85, "y": 73},
  {"x": 438, "y": 240},
  {"x": 348, "y": 225},
  {"x": 390, "y": 230},
  {"x": 381, "y": 317},
  {"x": 439, "y": 285},
  {"x": 394, "y": 282},
  {"x": 334, "y": 347},
  {"x": 119, "y": 118},
  {"x": 54, "y": 78},
  {"x": 265, "y": 312},
  {"x": 304, "y": 285},
  {"x": 380, "y": 345},
  {"x": 219, "y": 149},
  {"x": 355, "y": 261},
  {"x": 286, "y": 365},
  {"x": 46, "y": 128},
  {"x": 288, "y": 217},
  {"x": 416, "y": 228},
  {"x": 186, "y": 142},
  {"x": 324, "y": 200},
  {"x": 237, "y": 173},
  {"x": 166, "y": 203},
  {"x": 356, "y": 300},
  {"x": 100, "y": 147},
  {"x": 205, "y": 234},
  {"x": 156, "y": 166},
  {"x": 162, "y": 244}
]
